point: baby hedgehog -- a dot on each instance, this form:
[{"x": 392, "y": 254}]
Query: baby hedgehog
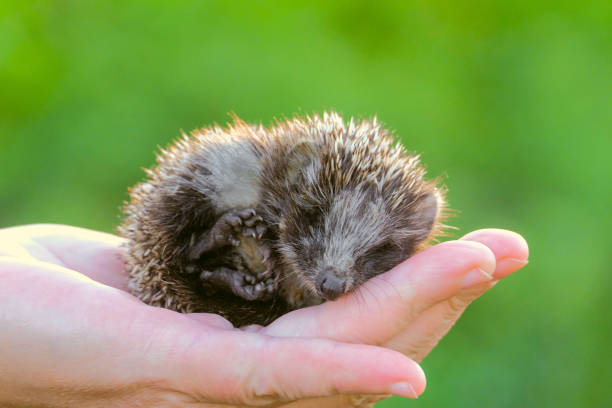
[{"x": 251, "y": 222}]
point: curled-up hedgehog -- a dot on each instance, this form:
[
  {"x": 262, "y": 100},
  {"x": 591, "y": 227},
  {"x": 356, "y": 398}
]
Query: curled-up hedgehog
[{"x": 251, "y": 222}]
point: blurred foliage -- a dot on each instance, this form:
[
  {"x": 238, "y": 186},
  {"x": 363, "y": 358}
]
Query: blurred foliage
[{"x": 509, "y": 101}]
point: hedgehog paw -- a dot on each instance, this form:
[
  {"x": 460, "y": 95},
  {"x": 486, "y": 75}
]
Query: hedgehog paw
[
  {"x": 240, "y": 283},
  {"x": 261, "y": 290},
  {"x": 227, "y": 231},
  {"x": 253, "y": 226}
]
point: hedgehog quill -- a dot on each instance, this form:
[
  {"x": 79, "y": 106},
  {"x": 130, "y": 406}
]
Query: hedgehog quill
[{"x": 251, "y": 222}]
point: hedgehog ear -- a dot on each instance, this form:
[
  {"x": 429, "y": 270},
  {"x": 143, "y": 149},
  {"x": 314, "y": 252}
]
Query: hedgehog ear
[
  {"x": 424, "y": 214},
  {"x": 300, "y": 157}
]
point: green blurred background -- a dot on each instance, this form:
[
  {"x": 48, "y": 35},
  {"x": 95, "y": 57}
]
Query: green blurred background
[{"x": 509, "y": 101}]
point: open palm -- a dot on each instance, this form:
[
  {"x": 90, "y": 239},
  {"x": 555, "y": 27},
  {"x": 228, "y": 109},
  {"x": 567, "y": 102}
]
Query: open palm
[{"x": 72, "y": 326}]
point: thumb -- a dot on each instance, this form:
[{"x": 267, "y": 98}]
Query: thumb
[{"x": 237, "y": 367}]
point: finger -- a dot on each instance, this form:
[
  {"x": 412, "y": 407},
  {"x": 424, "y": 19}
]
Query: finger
[
  {"x": 387, "y": 303},
  {"x": 236, "y": 367},
  {"x": 92, "y": 253},
  {"x": 354, "y": 400},
  {"x": 417, "y": 340},
  {"x": 510, "y": 249}
]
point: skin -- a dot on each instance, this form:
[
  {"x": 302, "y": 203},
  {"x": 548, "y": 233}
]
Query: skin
[{"x": 73, "y": 336}]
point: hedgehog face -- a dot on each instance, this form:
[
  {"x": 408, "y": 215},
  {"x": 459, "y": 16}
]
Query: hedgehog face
[
  {"x": 334, "y": 245},
  {"x": 354, "y": 208},
  {"x": 324, "y": 237}
]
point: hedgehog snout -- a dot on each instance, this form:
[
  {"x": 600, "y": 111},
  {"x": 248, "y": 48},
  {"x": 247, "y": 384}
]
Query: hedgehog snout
[{"x": 331, "y": 283}]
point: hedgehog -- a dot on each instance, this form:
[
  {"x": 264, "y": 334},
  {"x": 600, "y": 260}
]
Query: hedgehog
[{"x": 250, "y": 222}]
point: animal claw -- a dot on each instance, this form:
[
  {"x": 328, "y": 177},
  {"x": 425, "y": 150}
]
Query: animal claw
[
  {"x": 248, "y": 232},
  {"x": 261, "y": 229},
  {"x": 265, "y": 253},
  {"x": 253, "y": 220}
]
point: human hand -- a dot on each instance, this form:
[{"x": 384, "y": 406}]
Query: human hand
[
  {"x": 411, "y": 307},
  {"x": 68, "y": 340},
  {"x": 424, "y": 294}
]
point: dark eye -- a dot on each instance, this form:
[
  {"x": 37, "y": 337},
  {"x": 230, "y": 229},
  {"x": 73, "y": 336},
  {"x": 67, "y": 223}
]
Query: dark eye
[
  {"x": 380, "y": 259},
  {"x": 382, "y": 250}
]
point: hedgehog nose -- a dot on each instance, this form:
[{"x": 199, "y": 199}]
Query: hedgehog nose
[{"x": 330, "y": 285}]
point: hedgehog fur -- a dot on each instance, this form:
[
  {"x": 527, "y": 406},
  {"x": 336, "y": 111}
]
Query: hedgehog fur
[{"x": 251, "y": 222}]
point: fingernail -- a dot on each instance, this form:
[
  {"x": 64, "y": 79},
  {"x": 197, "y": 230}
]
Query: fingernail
[
  {"x": 403, "y": 389},
  {"x": 474, "y": 277},
  {"x": 519, "y": 261}
]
